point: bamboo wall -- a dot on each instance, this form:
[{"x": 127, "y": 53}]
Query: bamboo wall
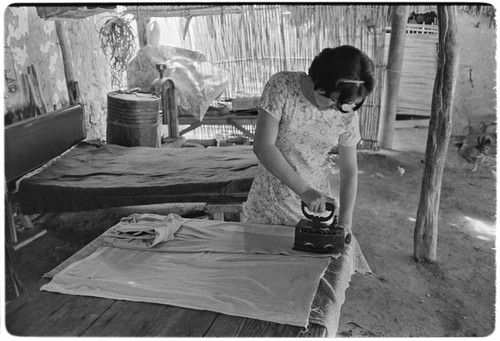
[
  {"x": 255, "y": 41},
  {"x": 258, "y": 42},
  {"x": 418, "y": 71}
]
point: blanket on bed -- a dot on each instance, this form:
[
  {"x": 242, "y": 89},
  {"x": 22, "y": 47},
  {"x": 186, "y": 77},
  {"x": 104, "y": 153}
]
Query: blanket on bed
[{"x": 96, "y": 175}]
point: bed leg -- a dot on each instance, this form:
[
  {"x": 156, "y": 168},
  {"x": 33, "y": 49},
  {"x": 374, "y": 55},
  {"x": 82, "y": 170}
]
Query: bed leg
[
  {"x": 9, "y": 220},
  {"x": 217, "y": 211},
  {"x": 16, "y": 283},
  {"x": 217, "y": 216},
  {"x": 26, "y": 221},
  {"x": 31, "y": 233}
]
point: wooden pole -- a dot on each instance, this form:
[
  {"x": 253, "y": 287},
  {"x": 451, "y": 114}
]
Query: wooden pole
[
  {"x": 143, "y": 29},
  {"x": 393, "y": 74},
  {"x": 34, "y": 101},
  {"x": 9, "y": 217},
  {"x": 72, "y": 84},
  {"x": 426, "y": 226},
  {"x": 36, "y": 82},
  {"x": 169, "y": 108}
]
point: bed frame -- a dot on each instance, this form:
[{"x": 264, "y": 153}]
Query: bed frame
[{"x": 31, "y": 143}]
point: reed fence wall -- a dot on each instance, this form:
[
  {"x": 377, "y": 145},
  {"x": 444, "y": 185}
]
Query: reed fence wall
[
  {"x": 253, "y": 42},
  {"x": 418, "y": 70},
  {"x": 262, "y": 40}
]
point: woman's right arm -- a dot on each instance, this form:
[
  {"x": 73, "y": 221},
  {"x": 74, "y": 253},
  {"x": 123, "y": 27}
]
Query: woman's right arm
[{"x": 269, "y": 155}]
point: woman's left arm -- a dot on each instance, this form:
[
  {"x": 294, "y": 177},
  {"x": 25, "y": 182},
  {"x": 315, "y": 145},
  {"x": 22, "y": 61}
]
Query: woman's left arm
[{"x": 348, "y": 166}]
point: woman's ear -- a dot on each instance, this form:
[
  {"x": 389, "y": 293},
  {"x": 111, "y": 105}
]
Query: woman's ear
[{"x": 321, "y": 91}]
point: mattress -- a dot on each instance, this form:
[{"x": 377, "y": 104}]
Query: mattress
[{"x": 96, "y": 175}]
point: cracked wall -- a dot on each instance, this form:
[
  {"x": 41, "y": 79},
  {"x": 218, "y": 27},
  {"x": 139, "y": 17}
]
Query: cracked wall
[{"x": 33, "y": 41}]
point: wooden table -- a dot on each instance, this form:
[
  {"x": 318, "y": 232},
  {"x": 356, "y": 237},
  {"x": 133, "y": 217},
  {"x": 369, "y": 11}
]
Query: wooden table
[
  {"x": 213, "y": 118},
  {"x": 43, "y": 313}
]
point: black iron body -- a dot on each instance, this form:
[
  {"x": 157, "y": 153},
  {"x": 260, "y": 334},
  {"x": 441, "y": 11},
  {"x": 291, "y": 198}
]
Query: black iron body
[{"x": 314, "y": 235}]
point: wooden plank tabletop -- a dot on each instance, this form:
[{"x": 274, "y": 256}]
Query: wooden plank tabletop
[
  {"x": 41, "y": 313},
  {"x": 243, "y": 119}
]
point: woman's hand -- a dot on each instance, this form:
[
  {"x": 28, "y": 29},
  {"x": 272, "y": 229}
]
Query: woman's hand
[
  {"x": 314, "y": 200},
  {"x": 347, "y": 232}
]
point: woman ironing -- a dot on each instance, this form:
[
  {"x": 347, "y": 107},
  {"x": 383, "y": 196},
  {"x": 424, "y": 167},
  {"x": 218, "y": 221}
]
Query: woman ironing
[{"x": 301, "y": 118}]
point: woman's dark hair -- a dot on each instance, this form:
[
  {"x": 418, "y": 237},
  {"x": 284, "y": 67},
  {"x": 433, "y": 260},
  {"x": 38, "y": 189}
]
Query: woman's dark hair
[{"x": 333, "y": 68}]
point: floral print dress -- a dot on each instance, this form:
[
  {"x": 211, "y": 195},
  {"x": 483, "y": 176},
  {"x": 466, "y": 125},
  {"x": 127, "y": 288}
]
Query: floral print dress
[{"x": 305, "y": 137}]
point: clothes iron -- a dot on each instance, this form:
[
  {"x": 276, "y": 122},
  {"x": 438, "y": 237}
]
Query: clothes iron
[{"x": 314, "y": 235}]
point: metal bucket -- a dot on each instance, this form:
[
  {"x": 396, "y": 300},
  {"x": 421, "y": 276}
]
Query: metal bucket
[{"x": 134, "y": 119}]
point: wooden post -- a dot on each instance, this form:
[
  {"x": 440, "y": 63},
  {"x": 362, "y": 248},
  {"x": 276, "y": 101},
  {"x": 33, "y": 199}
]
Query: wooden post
[
  {"x": 36, "y": 81},
  {"x": 17, "y": 285},
  {"x": 9, "y": 217},
  {"x": 393, "y": 74},
  {"x": 34, "y": 101},
  {"x": 426, "y": 226},
  {"x": 72, "y": 84},
  {"x": 142, "y": 30},
  {"x": 169, "y": 108}
]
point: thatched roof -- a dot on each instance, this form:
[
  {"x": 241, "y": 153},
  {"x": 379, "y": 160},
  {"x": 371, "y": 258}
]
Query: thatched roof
[
  {"x": 184, "y": 10},
  {"x": 204, "y": 9}
]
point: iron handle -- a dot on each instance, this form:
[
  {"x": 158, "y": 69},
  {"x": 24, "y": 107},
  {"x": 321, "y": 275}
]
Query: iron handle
[{"x": 329, "y": 207}]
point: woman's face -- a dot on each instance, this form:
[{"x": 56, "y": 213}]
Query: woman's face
[{"x": 324, "y": 102}]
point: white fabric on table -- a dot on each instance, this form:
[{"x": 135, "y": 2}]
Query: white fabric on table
[
  {"x": 253, "y": 279},
  {"x": 266, "y": 287}
]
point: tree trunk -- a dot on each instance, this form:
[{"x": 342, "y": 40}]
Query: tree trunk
[
  {"x": 399, "y": 18},
  {"x": 426, "y": 226}
]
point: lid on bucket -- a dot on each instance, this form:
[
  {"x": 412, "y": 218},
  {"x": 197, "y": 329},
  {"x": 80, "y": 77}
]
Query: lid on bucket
[{"x": 133, "y": 96}]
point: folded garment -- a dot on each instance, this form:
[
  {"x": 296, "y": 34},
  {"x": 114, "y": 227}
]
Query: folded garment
[
  {"x": 147, "y": 229},
  {"x": 200, "y": 235}
]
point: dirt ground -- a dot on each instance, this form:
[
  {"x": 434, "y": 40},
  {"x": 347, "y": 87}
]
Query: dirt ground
[{"x": 454, "y": 296}]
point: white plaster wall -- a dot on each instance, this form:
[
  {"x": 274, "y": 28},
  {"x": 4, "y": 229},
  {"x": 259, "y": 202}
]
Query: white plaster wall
[
  {"x": 475, "y": 93},
  {"x": 33, "y": 41}
]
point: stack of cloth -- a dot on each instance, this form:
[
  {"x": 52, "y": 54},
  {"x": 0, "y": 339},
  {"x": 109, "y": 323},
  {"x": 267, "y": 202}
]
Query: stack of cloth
[
  {"x": 239, "y": 269},
  {"x": 145, "y": 231}
]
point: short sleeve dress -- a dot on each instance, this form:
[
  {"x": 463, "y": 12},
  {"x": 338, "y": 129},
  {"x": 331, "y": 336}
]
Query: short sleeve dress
[{"x": 305, "y": 136}]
